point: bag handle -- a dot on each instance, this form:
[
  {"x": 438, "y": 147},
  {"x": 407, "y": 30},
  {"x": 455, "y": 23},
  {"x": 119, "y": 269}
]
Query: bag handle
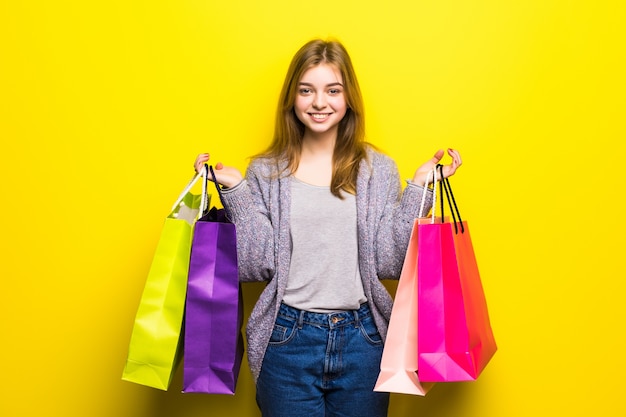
[
  {"x": 189, "y": 186},
  {"x": 425, "y": 189},
  {"x": 444, "y": 186},
  {"x": 219, "y": 190},
  {"x": 204, "y": 202},
  {"x": 204, "y": 198}
]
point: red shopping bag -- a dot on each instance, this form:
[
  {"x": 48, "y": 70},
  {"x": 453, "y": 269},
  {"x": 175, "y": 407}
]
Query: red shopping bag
[
  {"x": 398, "y": 367},
  {"x": 455, "y": 339}
]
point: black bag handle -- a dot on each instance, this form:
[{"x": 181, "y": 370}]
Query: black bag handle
[
  {"x": 444, "y": 186},
  {"x": 219, "y": 189}
]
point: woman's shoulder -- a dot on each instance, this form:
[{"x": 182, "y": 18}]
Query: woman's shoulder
[
  {"x": 263, "y": 164},
  {"x": 264, "y": 167},
  {"x": 379, "y": 160}
]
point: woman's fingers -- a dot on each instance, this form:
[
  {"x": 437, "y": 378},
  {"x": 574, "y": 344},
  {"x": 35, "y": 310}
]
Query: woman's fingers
[
  {"x": 450, "y": 169},
  {"x": 200, "y": 161},
  {"x": 422, "y": 174}
]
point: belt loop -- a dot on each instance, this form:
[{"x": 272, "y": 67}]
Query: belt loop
[
  {"x": 356, "y": 318},
  {"x": 300, "y": 319}
]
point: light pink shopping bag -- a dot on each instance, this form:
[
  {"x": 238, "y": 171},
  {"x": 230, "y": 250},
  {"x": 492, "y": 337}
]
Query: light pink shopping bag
[{"x": 398, "y": 367}]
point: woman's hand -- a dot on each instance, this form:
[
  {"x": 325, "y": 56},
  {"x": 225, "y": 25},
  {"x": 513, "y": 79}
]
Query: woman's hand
[
  {"x": 423, "y": 172},
  {"x": 226, "y": 176}
]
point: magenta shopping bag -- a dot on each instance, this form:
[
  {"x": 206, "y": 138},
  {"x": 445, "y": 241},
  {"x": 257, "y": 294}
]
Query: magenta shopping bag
[
  {"x": 455, "y": 339},
  {"x": 213, "y": 344}
]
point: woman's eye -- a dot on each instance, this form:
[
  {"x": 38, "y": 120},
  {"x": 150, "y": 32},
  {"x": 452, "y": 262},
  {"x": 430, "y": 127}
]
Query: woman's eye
[
  {"x": 305, "y": 91},
  {"x": 334, "y": 91}
]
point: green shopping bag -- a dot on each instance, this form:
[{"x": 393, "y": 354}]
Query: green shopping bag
[{"x": 156, "y": 341}]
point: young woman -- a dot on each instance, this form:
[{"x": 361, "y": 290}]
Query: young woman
[{"x": 322, "y": 218}]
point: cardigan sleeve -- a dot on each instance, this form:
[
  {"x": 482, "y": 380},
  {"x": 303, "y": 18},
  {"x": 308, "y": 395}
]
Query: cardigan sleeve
[
  {"x": 248, "y": 206},
  {"x": 397, "y": 210}
]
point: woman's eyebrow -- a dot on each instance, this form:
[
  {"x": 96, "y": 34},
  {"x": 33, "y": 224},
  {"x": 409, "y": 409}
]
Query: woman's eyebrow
[{"x": 327, "y": 85}]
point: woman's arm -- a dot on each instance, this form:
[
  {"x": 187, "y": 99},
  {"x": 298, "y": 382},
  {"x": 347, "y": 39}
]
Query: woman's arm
[{"x": 248, "y": 206}]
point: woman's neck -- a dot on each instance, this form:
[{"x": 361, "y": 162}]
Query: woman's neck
[
  {"x": 316, "y": 159},
  {"x": 319, "y": 141}
]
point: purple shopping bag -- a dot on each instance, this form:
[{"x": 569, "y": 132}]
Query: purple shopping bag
[{"x": 213, "y": 344}]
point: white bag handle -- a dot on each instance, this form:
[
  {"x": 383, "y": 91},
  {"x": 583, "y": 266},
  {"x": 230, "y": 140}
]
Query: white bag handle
[
  {"x": 204, "y": 197},
  {"x": 204, "y": 202},
  {"x": 425, "y": 189}
]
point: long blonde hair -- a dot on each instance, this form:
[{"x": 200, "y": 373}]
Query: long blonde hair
[{"x": 350, "y": 146}]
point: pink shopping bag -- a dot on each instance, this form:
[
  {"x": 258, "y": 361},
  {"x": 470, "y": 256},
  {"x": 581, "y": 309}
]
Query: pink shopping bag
[
  {"x": 455, "y": 339},
  {"x": 398, "y": 367}
]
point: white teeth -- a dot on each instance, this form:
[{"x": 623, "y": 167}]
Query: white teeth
[{"x": 318, "y": 116}]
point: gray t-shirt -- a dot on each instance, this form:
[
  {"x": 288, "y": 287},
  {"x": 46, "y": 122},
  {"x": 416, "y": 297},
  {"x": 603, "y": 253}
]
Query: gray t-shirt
[{"x": 324, "y": 272}]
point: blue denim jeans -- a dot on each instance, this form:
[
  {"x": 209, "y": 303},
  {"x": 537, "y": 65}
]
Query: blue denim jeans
[{"x": 322, "y": 365}]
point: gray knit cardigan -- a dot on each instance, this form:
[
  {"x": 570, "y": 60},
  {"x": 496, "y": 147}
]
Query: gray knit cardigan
[{"x": 260, "y": 209}]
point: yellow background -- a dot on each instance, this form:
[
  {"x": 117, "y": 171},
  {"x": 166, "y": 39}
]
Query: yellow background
[{"x": 104, "y": 105}]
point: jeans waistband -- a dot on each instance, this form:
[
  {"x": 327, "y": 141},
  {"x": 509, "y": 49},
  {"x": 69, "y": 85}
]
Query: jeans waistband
[{"x": 333, "y": 319}]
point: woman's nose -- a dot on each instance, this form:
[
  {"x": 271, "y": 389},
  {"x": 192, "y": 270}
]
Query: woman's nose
[{"x": 319, "y": 102}]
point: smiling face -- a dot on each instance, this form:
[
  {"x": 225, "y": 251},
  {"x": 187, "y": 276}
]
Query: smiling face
[{"x": 320, "y": 102}]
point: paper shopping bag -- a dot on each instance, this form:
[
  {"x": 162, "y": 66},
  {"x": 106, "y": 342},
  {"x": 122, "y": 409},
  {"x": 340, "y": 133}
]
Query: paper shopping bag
[
  {"x": 455, "y": 339},
  {"x": 398, "y": 367},
  {"x": 213, "y": 347},
  {"x": 156, "y": 341}
]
